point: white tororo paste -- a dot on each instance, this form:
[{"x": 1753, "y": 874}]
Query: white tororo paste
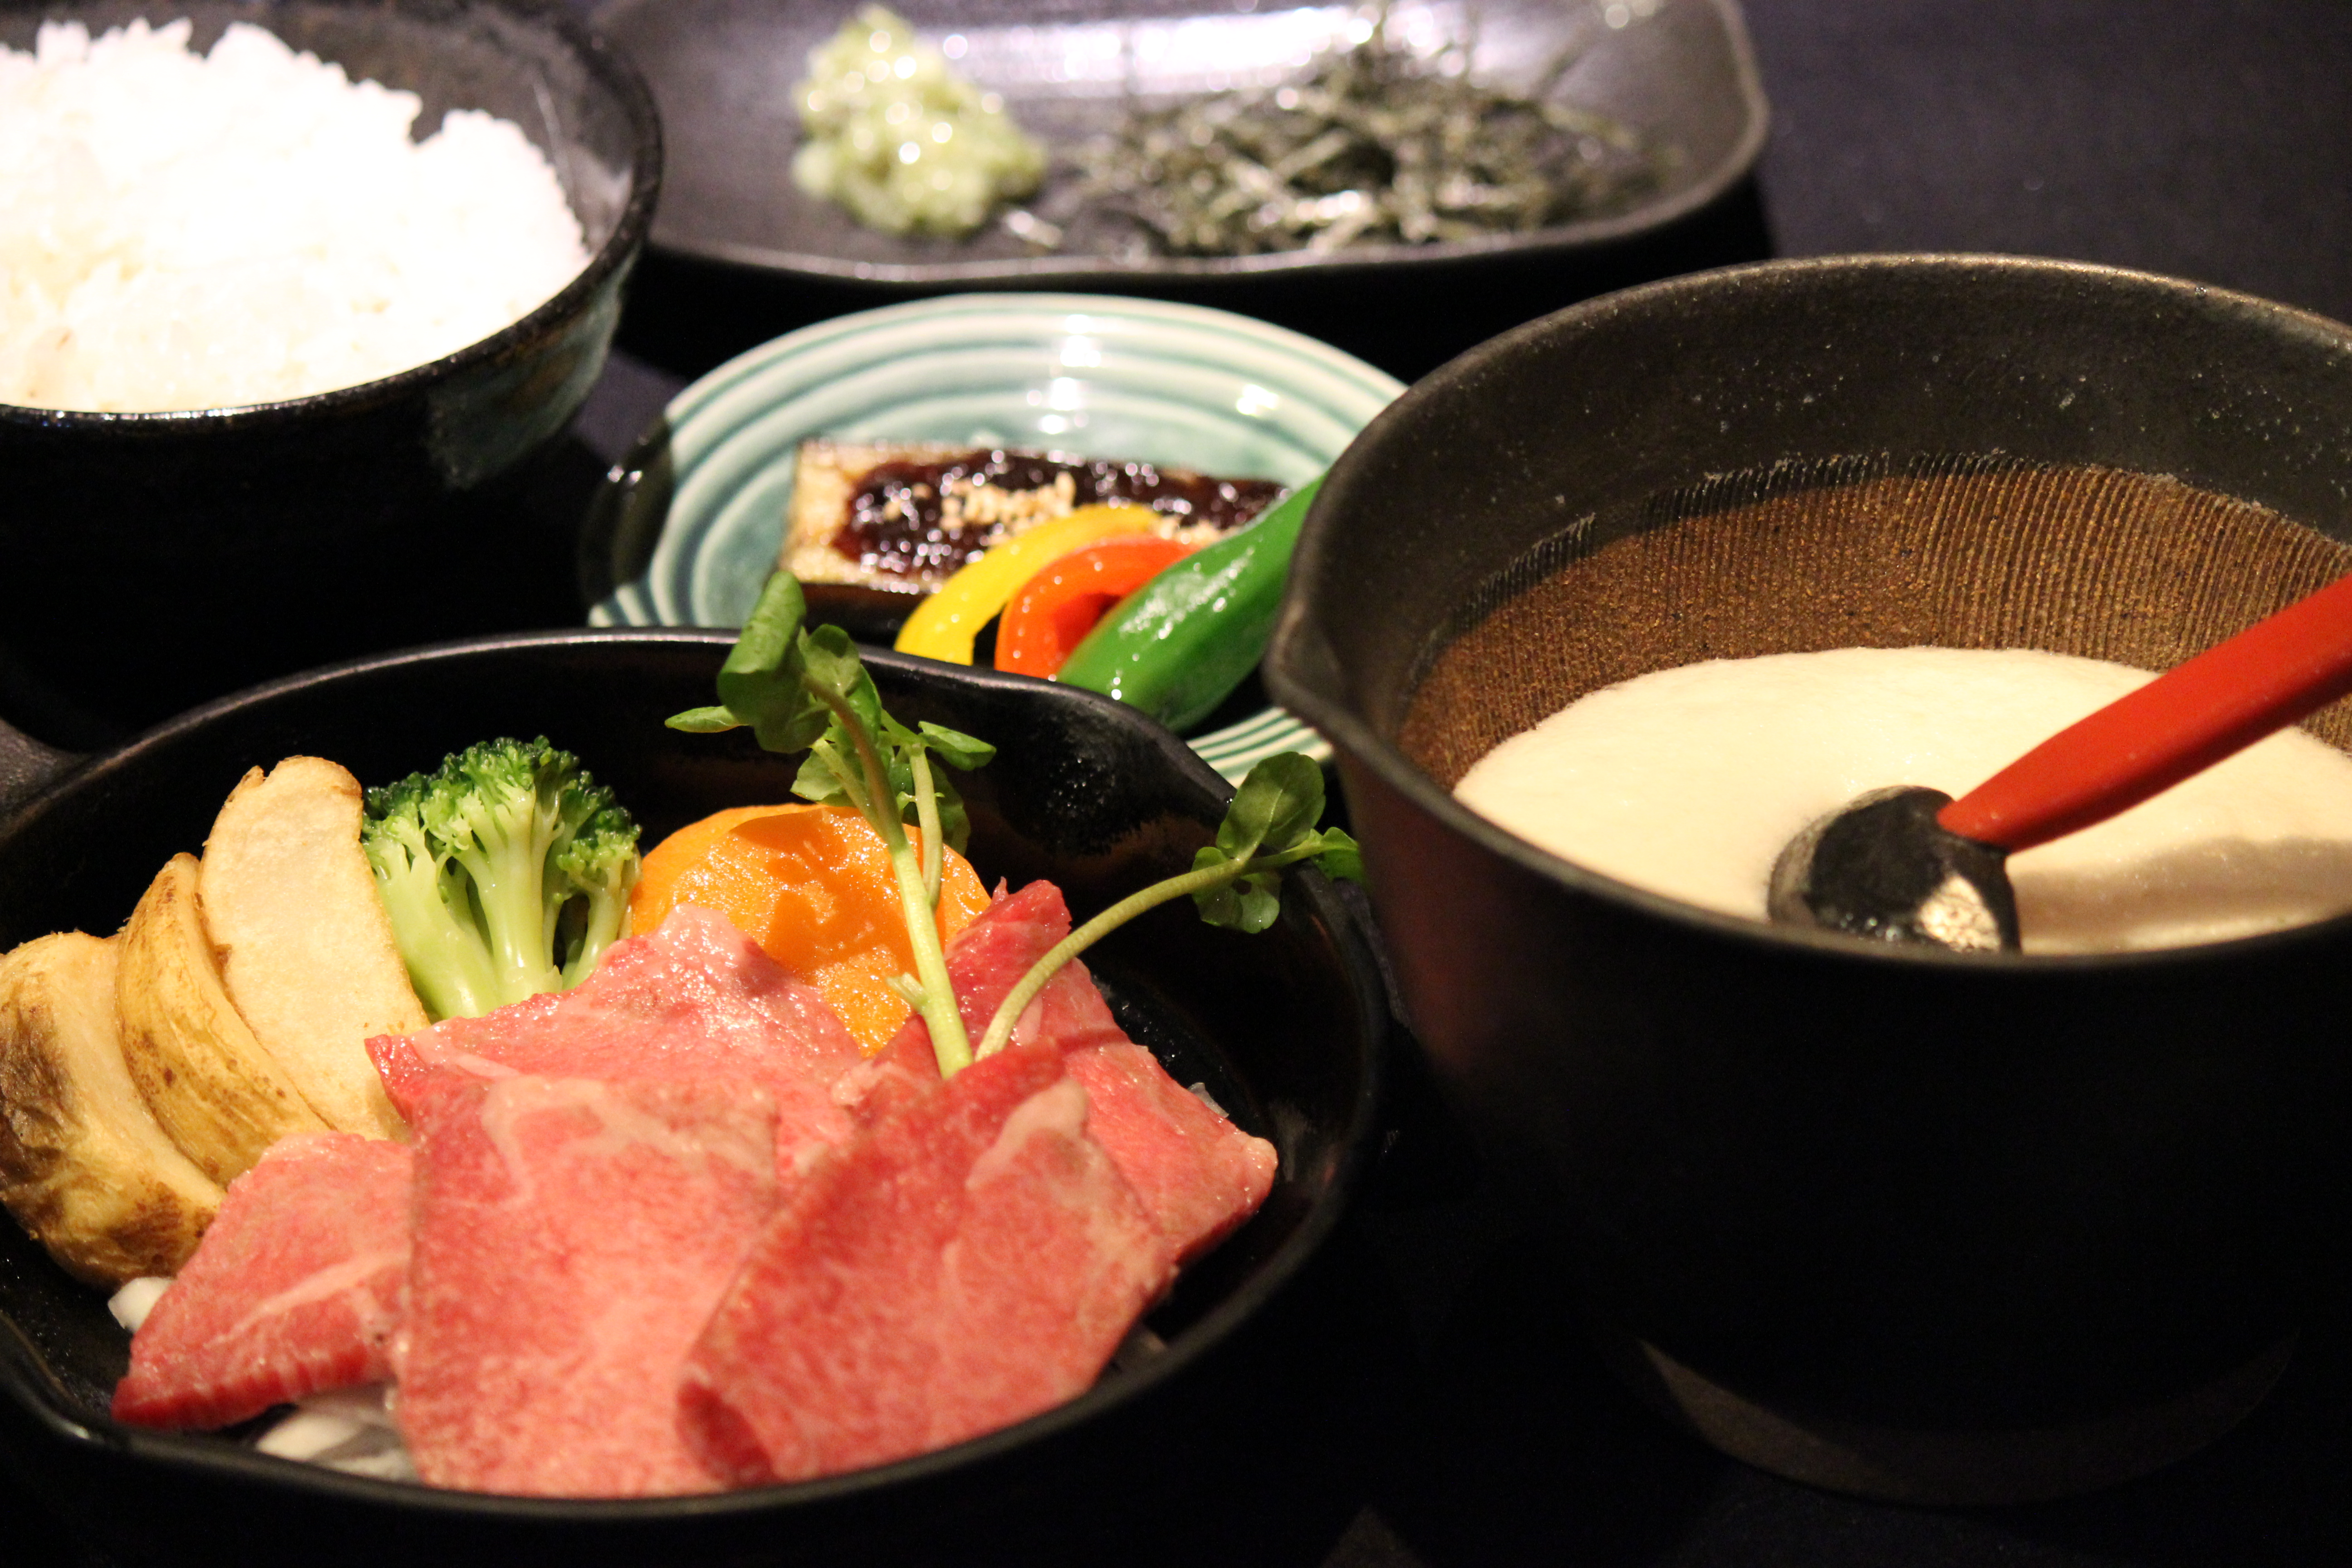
[{"x": 1688, "y": 782}]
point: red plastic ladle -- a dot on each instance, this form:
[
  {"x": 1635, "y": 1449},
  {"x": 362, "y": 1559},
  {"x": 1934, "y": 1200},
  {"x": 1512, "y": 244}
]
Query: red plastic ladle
[
  {"x": 2178, "y": 725},
  {"x": 1912, "y": 865}
]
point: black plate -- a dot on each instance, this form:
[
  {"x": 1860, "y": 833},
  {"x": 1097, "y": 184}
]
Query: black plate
[
  {"x": 723, "y": 72},
  {"x": 1084, "y": 792}
]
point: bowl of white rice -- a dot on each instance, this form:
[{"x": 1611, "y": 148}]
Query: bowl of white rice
[{"x": 293, "y": 296}]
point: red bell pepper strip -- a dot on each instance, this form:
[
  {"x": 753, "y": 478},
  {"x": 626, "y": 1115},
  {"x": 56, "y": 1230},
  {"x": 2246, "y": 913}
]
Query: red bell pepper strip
[{"x": 1057, "y": 608}]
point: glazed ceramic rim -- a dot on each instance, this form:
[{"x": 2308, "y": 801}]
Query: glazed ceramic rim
[
  {"x": 727, "y": 432},
  {"x": 607, "y": 68}
]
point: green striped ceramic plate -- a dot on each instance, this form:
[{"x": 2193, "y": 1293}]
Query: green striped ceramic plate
[{"x": 1111, "y": 378}]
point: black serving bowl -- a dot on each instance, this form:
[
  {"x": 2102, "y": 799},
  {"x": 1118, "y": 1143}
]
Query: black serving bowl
[
  {"x": 1945, "y": 1228},
  {"x": 1235, "y": 1425},
  {"x": 154, "y": 559}
]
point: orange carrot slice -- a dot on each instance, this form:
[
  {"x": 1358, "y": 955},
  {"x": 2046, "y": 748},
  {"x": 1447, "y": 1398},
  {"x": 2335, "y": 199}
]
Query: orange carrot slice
[{"x": 813, "y": 886}]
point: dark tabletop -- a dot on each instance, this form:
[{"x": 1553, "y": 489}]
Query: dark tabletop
[{"x": 2206, "y": 139}]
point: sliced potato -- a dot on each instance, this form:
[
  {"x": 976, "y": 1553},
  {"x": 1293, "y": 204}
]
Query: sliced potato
[
  {"x": 222, "y": 1096},
  {"x": 83, "y": 1164},
  {"x": 305, "y": 947}
]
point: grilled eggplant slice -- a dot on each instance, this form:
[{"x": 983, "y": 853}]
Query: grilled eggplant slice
[{"x": 84, "y": 1165}]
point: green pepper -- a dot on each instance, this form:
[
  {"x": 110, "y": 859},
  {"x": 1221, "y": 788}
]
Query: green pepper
[{"x": 1178, "y": 645}]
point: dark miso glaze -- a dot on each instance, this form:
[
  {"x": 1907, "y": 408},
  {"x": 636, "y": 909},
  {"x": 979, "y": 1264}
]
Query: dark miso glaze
[{"x": 895, "y": 525}]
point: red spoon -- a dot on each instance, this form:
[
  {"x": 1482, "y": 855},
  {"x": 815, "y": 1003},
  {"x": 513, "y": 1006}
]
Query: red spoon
[{"x": 1911, "y": 865}]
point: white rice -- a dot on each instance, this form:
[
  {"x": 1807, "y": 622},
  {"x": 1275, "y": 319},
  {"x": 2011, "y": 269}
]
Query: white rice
[{"x": 178, "y": 231}]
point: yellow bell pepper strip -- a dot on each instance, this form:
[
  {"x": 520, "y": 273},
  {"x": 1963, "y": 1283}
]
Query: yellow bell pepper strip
[
  {"x": 944, "y": 624},
  {"x": 1178, "y": 645}
]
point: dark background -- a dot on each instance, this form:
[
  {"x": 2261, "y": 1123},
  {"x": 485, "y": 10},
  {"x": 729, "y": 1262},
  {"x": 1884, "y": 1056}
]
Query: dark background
[{"x": 2201, "y": 138}]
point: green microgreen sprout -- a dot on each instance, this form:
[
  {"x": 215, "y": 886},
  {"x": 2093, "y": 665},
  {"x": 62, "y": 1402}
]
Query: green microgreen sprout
[
  {"x": 1236, "y": 881},
  {"x": 802, "y": 688}
]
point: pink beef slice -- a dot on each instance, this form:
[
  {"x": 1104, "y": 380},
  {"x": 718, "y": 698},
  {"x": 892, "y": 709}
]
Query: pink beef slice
[
  {"x": 985, "y": 961},
  {"x": 696, "y": 1000},
  {"x": 295, "y": 1289},
  {"x": 970, "y": 1260},
  {"x": 573, "y": 1237},
  {"x": 1198, "y": 1176}
]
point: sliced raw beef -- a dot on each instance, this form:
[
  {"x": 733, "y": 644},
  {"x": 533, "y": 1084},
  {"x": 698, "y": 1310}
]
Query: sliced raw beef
[
  {"x": 696, "y": 1000},
  {"x": 1198, "y": 1176},
  {"x": 985, "y": 961},
  {"x": 989, "y": 957},
  {"x": 970, "y": 1258},
  {"x": 295, "y": 1289},
  {"x": 573, "y": 1237}
]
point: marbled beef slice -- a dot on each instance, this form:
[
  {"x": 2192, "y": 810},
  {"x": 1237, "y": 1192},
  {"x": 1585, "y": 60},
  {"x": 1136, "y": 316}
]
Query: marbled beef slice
[
  {"x": 968, "y": 1259},
  {"x": 694, "y": 1000},
  {"x": 1198, "y": 1176},
  {"x": 295, "y": 1289},
  {"x": 573, "y": 1237}
]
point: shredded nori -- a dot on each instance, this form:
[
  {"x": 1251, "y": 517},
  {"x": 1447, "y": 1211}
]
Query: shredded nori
[{"x": 1378, "y": 142}]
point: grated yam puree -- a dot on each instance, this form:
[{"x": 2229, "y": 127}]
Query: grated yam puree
[
  {"x": 1687, "y": 782},
  {"x": 181, "y": 231}
]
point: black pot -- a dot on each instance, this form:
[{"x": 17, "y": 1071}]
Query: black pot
[
  {"x": 1938, "y": 1227},
  {"x": 1244, "y": 1429},
  {"x": 155, "y": 559}
]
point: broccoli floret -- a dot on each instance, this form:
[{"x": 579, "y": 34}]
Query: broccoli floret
[{"x": 506, "y": 872}]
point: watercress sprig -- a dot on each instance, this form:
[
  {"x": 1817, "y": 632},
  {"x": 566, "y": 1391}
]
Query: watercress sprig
[
  {"x": 1235, "y": 882},
  {"x": 800, "y": 689}
]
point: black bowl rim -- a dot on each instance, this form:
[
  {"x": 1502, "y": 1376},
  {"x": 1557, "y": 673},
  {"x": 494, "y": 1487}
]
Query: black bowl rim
[
  {"x": 203, "y": 1454},
  {"x": 1286, "y": 662},
  {"x": 609, "y": 67}
]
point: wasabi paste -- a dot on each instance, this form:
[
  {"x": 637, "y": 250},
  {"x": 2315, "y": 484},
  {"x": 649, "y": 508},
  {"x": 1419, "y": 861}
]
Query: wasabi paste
[{"x": 900, "y": 141}]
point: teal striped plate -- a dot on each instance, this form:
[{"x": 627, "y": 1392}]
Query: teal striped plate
[{"x": 1078, "y": 373}]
